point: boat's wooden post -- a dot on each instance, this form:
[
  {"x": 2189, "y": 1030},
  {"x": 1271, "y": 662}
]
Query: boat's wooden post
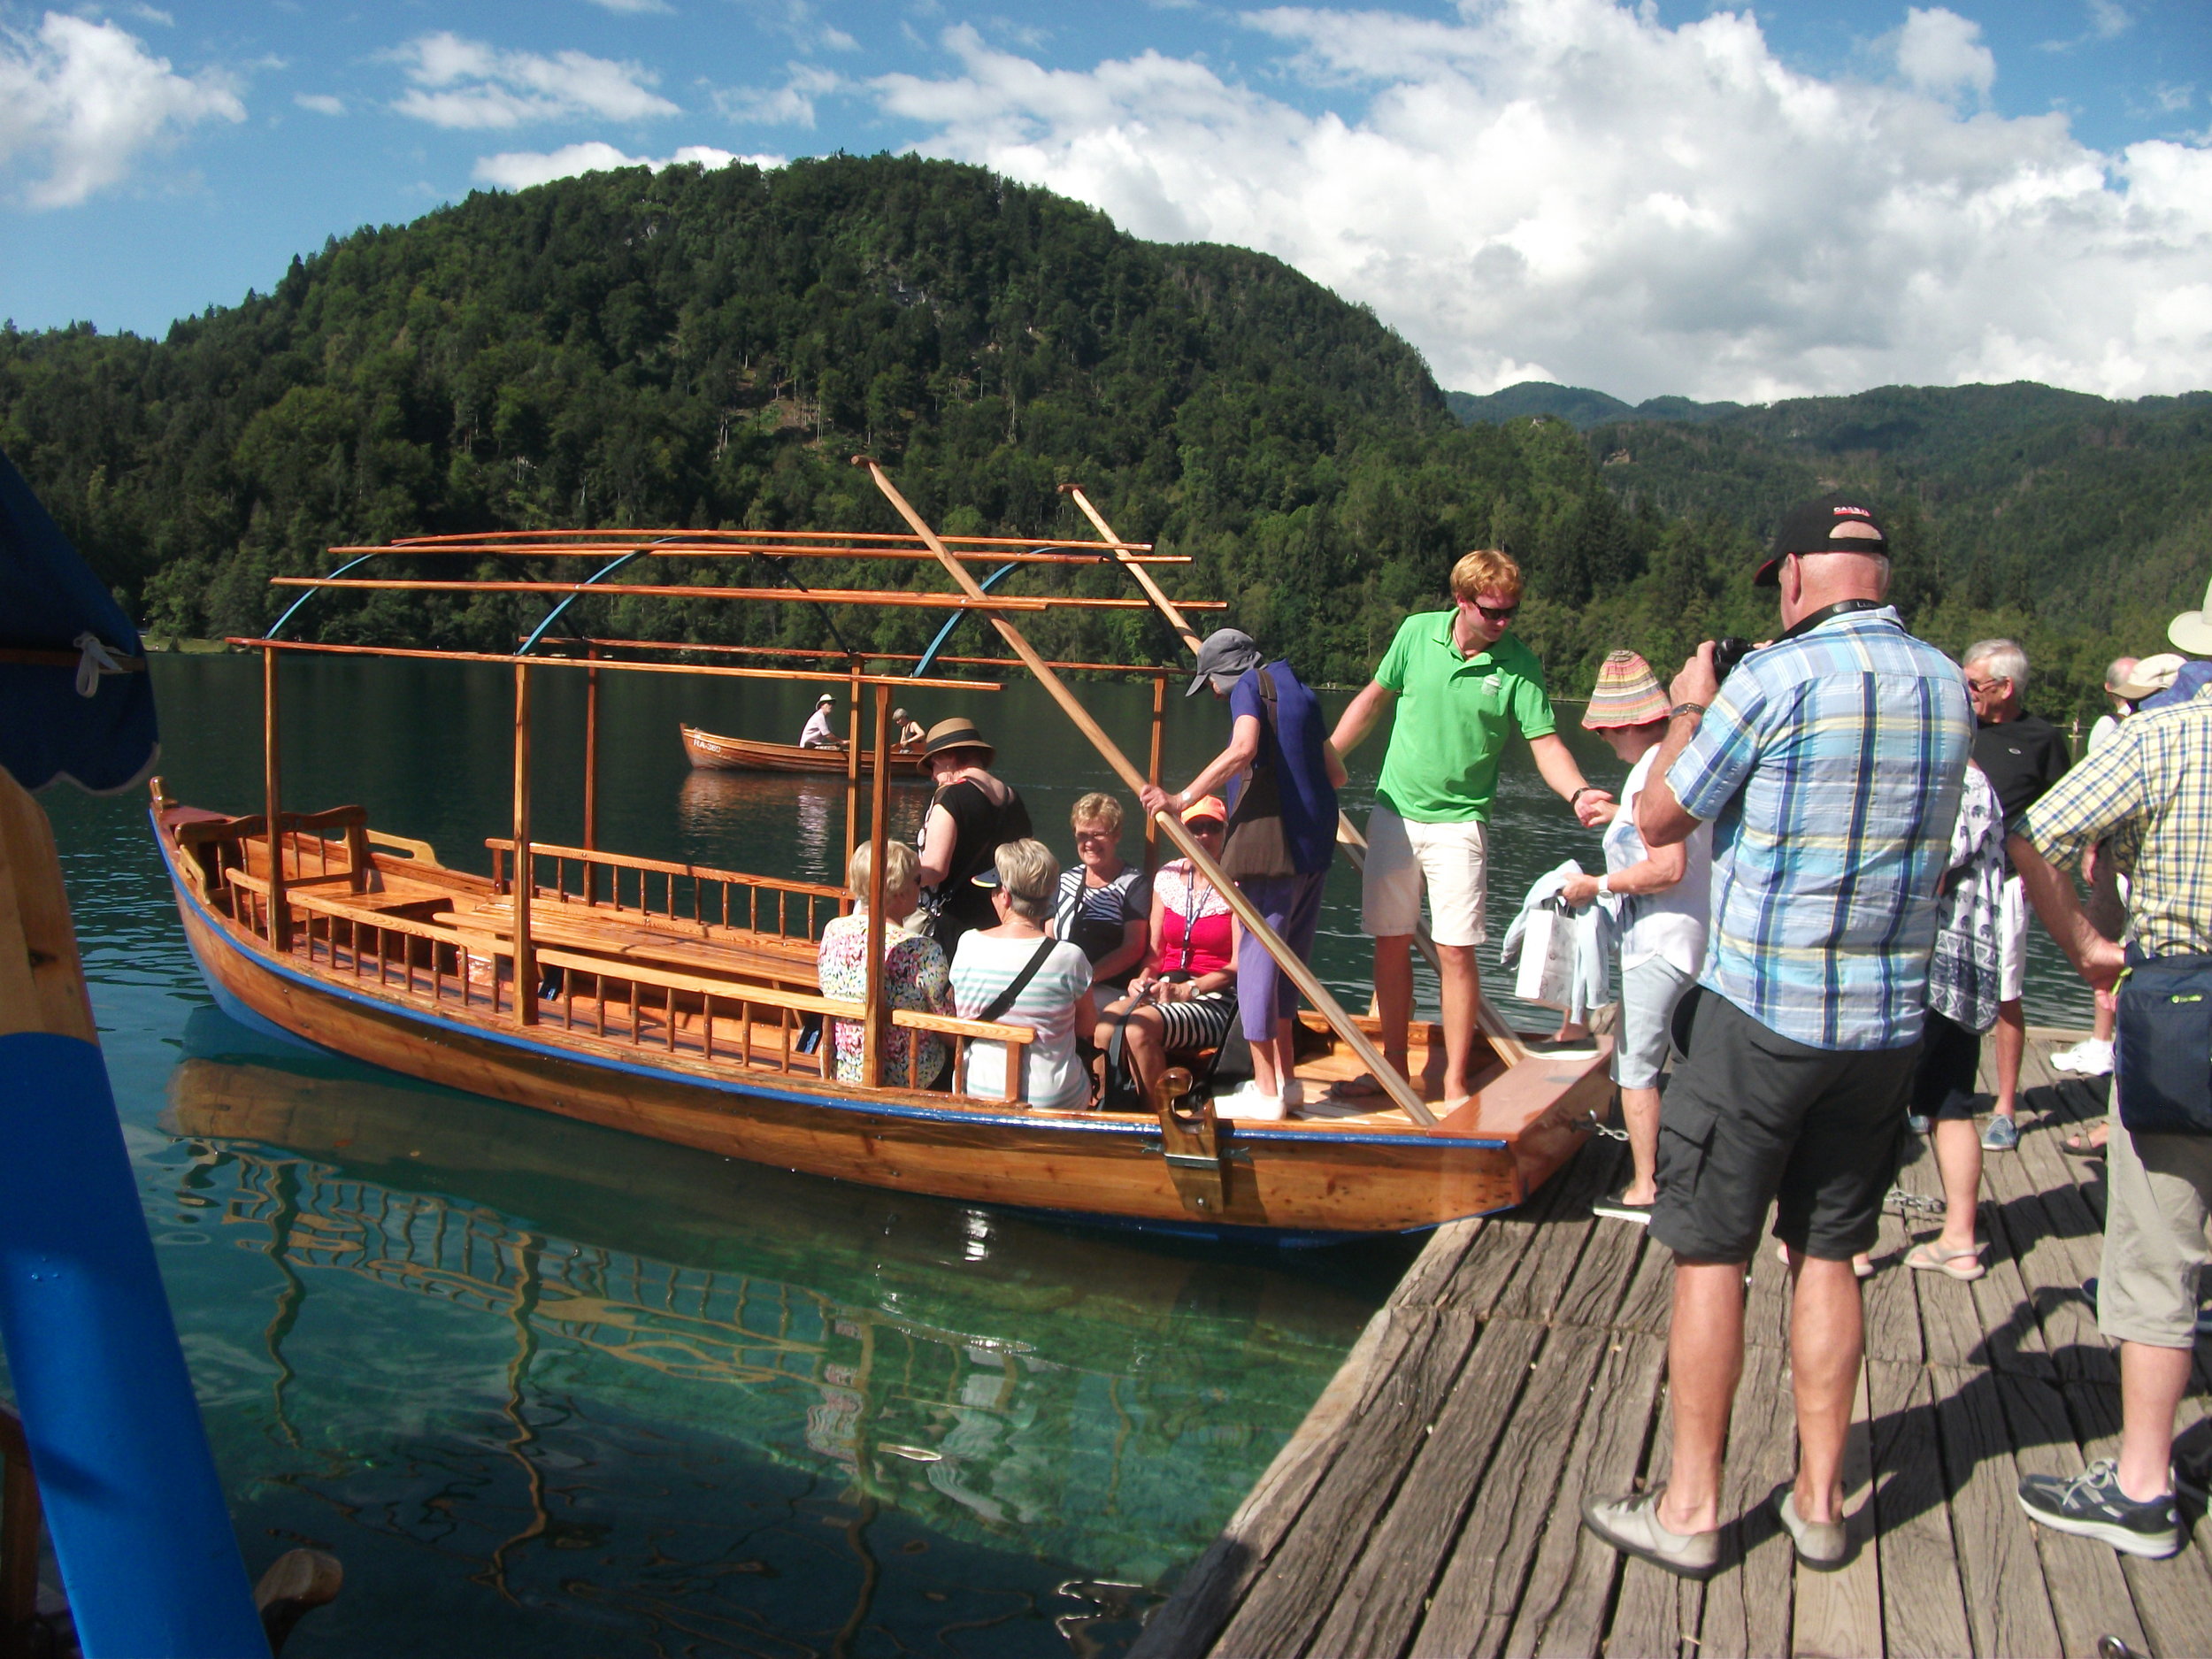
[
  {"x": 524, "y": 878},
  {"x": 878, "y": 845},
  {"x": 272, "y": 803},
  {"x": 1299, "y": 974},
  {"x": 1504, "y": 1040},
  {"x": 1152, "y": 773},
  {"x": 852, "y": 765},
  {"x": 591, "y": 776}
]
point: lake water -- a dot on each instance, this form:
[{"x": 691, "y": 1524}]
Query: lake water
[{"x": 552, "y": 1390}]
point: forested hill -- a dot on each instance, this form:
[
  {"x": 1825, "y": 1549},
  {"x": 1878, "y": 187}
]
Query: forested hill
[
  {"x": 693, "y": 349},
  {"x": 700, "y": 348},
  {"x": 2092, "y": 514}
]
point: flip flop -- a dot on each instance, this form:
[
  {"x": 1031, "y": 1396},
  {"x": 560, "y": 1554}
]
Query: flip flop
[
  {"x": 1962, "y": 1264},
  {"x": 1860, "y": 1268},
  {"x": 2078, "y": 1145}
]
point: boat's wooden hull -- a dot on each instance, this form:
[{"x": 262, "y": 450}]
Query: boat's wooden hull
[
  {"x": 1299, "y": 1178},
  {"x": 709, "y": 751}
]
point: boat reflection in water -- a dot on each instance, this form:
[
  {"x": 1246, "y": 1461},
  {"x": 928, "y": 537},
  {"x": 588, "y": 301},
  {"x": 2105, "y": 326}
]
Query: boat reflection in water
[
  {"x": 624, "y": 1388},
  {"x": 731, "y": 814}
]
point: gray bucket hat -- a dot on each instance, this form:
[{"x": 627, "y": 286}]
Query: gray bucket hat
[{"x": 1227, "y": 653}]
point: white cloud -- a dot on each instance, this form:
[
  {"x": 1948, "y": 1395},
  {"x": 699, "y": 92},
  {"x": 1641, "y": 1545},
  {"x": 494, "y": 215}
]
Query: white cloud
[
  {"x": 80, "y": 102},
  {"x": 321, "y": 103},
  {"x": 2107, "y": 19},
  {"x": 633, "y": 6},
  {"x": 791, "y": 104},
  {"x": 1941, "y": 53},
  {"x": 468, "y": 84},
  {"x": 519, "y": 170},
  {"x": 1568, "y": 190}
]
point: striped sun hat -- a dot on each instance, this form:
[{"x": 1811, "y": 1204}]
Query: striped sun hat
[{"x": 1627, "y": 694}]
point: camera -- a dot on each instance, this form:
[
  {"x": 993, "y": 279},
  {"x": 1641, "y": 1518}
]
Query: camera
[{"x": 1728, "y": 650}]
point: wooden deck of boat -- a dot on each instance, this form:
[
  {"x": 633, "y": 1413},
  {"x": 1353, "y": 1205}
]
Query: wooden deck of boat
[{"x": 1429, "y": 1504}]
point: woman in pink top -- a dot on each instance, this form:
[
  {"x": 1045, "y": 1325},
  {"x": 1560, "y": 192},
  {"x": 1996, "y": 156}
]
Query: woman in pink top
[{"x": 1186, "y": 997}]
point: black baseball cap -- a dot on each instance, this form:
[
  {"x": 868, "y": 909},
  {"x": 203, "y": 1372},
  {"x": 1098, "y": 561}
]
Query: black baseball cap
[{"x": 1836, "y": 522}]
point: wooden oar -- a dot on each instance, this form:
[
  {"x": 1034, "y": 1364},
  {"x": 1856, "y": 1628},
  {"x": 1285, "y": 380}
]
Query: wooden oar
[
  {"x": 1503, "y": 1039},
  {"x": 1401, "y": 1093}
]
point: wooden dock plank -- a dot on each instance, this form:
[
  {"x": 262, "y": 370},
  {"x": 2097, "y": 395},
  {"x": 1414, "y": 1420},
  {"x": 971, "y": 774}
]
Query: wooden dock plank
[
  {"x": 1923, "y": 1602},
  {"x": 1562, "y": 1605},
  {"x": 1471, "y": 1614},
  {"x": 1398, "y": 1560}
]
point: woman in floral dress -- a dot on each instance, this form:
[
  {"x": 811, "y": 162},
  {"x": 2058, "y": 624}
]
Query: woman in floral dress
[{"x": 914, "y": 975}]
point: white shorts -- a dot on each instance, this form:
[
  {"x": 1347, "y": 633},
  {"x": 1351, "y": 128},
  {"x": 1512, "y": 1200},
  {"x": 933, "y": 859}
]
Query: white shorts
[
  {"x": 2012, "y": 941},
  {"x": 1452, "y": 861}
]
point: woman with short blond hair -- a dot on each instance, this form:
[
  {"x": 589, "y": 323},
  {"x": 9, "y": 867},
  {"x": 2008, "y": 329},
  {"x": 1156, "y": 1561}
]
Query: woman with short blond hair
[{"x": 1103, "y": 905}]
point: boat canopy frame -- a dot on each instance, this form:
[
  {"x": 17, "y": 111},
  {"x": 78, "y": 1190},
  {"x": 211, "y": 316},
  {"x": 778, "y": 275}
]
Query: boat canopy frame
[{"x": 952, "y": 555}]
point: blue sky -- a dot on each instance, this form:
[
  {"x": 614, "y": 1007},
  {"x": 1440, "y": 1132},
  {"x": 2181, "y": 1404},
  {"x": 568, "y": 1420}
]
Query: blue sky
[{"x": 1815, "y": 195}]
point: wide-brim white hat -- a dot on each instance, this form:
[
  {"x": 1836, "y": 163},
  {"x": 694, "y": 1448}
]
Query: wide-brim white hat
[{"x": 2191, "y": 630}]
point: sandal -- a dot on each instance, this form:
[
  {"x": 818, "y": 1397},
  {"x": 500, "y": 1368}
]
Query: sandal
[
  {"x": 2082, "y": 1143},
  {"x": 1927, "y": 1257},
  {"x": 1860, "y": 1266}
]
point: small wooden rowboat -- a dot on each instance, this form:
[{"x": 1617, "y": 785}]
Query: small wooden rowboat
[
  {"x": 711, "y": 751},
  {"x": 670, "y": 999}
]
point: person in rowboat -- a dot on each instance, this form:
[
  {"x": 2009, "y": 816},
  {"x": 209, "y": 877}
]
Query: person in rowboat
[
  {"x": 1276, "y": 738},
  {"x": 970, "y": 816},
  {"x": 906, "y": 729},
  {"x": 817, "y": 733},
  {"x": 1016, "y": 973},
  {"x": 1102, "y": 903},
  {"x": 1186, "y": 995},
  {"x": 914, "y": 972}
]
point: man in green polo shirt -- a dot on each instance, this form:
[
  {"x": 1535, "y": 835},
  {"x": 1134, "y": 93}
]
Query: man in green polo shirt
[{"x": 1467, "y": 686}]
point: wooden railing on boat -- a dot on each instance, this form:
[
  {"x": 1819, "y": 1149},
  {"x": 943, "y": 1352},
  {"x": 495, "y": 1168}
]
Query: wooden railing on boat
[
  {"x": 698, "y": 879},
  {"x": 452, "y": 966}
]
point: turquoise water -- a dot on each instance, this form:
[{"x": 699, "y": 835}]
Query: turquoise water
[{"x": 551, "y": 1390}]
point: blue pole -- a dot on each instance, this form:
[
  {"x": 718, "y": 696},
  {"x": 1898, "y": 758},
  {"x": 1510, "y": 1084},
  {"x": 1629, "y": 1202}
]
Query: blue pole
[
  {"x": 955, "y": 620},
  {"x": 149, "y": 1560}
]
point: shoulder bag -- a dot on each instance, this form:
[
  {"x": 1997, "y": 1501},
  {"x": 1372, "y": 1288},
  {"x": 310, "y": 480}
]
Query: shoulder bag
[
  {"x": 2163, "y": 1048},
  {"x": 1015, "y": 986},
  {"x": 1256, "y": 847}
]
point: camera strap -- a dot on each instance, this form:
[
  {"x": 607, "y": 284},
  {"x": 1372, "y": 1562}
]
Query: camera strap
[{"x": 1829, "y": 613}]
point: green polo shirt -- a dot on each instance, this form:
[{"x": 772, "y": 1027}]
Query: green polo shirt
[{"x": 1453, "y": 717}]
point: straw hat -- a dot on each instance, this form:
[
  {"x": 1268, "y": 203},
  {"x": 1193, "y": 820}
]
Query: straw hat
[
  {"x": 958, "y": 732},
  {"x": 2151, "y": 675},
  {"x": 1628, "y": 694},
  {"x": 2191, "y": 630}
]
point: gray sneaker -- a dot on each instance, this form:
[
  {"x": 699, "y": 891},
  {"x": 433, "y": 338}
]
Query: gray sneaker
[
  {"x": 1631, "y": 1525},
  {"x": 1821, "y": 1545},
  {"x": 2092, "y": 1505},
  {"x": 2002, "y": 1135}
]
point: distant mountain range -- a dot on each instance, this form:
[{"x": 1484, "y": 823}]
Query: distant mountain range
[{"x": 1576, "y": 405}]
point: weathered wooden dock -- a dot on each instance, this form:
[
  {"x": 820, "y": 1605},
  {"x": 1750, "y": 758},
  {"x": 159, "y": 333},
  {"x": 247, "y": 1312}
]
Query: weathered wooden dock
[{"x": 1430, "y": 1505}]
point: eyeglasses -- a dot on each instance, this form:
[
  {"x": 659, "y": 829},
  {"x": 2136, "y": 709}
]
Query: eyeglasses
[
  {"x": 1096, "y": 835},
  {"x": 1986, "y": 686},
  {"x": 1495, "y": 613}
]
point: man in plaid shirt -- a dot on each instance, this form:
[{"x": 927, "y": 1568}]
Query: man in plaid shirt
[
  {"x": 1830, "y": 765},
  {"x": 2148, "y": 788}
]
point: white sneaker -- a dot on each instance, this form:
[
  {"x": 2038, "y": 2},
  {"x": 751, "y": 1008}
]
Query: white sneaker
[
  {"x": 2086, "y": 1059},
  {"x": 1294, "y": 1093},
  {"x": 1248, "y": 1105}
]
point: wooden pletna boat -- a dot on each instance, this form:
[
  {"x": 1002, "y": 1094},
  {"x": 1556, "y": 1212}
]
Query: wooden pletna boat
[
  {"x": 711, "y": 751},
  {"x": 669, "y": 999}
]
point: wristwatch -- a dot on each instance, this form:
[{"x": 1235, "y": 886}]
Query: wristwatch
[
  {"x": 1603, "y": 881},
  {"x": 1687, "y": 708}
]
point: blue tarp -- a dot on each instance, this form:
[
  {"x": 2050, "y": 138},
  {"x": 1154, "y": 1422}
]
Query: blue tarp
[{"x": 51, "y": 601}]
